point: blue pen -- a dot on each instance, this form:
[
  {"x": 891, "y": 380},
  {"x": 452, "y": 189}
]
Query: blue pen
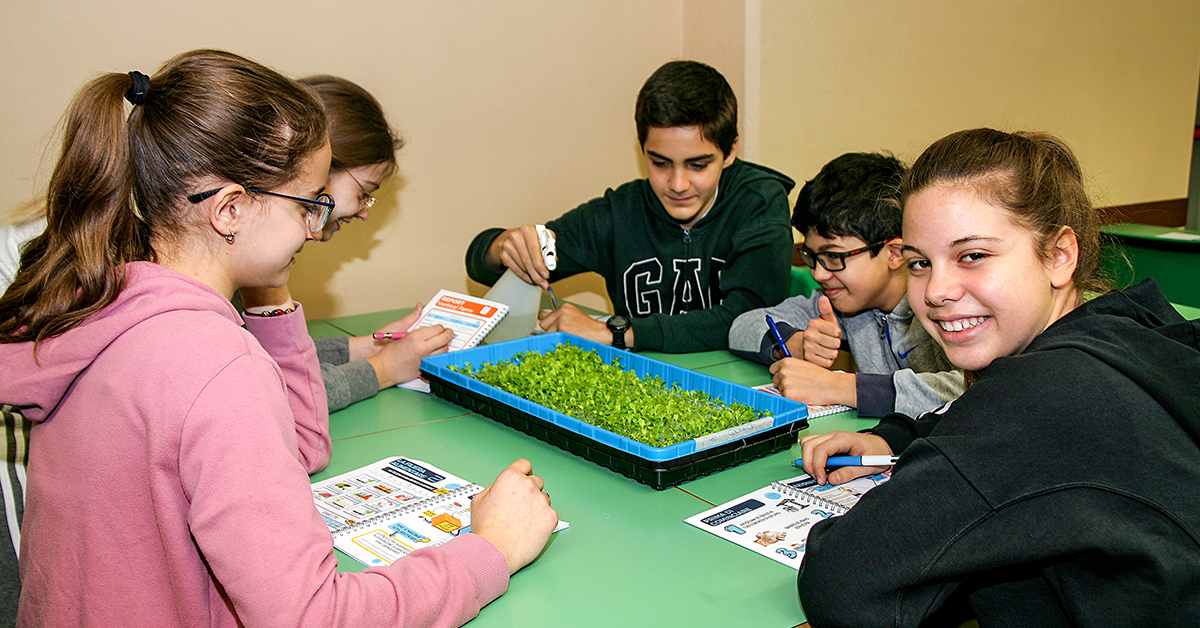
[
  {"x": 856, "y": 461},
  {"x": 778, "y": 339}
]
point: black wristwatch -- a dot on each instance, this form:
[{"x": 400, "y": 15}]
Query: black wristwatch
[{"x": 618, "y": 325}]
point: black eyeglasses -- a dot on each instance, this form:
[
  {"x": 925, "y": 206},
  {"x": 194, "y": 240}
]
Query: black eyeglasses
[
  {"x": 832, "y": 261},
  {"x": 319, "y": 208}
]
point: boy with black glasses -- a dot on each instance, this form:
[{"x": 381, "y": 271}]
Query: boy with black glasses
[{"x": 852, "y": 244}]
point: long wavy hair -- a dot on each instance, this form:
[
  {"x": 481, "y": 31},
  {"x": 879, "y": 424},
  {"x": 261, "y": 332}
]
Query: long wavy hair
[{"x": 119, "y": 186}]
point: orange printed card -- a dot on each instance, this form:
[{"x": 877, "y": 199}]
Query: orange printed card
[{"x": 470, "y": 318}]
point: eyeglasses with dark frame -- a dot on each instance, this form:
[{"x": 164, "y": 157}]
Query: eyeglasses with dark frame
[
  {"x": 832, "y": 261},
  {"x": 319, "y": 208}
]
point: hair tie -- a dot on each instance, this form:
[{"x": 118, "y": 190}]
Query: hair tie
[{"x": 137, "y": 92}]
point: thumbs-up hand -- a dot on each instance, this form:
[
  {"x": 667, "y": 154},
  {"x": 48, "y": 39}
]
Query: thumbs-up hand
[{"x": 823, "y": 337}]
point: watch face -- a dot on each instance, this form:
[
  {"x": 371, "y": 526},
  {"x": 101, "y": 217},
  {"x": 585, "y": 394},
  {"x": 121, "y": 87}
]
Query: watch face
[{"x": 618, "y": 323}]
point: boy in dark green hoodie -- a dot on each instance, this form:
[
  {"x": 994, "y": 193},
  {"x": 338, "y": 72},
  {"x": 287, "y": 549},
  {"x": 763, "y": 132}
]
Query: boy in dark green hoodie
[{"x": 705, "y": 235}]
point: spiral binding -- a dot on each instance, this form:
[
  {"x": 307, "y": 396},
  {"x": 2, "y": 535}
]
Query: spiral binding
[
  {"x": 490, "y": 322},
  {"x": 417, "y": 506},
  {"x": 815, "y": 499}
]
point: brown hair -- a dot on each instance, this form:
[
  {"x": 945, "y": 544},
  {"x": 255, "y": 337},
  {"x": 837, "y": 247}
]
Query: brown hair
[
  {"x": 28, "y": 211},
  {"x": 688, "y": 93},
  {"x": 120, "y": 182},
  {"x": 1035, "y": 176},
  {"x": 359, "y": 134}
]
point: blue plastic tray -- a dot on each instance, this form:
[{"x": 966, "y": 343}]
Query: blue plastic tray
[{"x": 659, "y": 467}]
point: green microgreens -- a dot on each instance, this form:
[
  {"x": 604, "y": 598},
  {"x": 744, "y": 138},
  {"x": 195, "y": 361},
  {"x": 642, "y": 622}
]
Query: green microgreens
[{"x": 577, "y": 383}]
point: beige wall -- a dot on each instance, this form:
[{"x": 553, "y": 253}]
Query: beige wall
[
  {"x": 1117, "y": 79},
  {"x": 516, "y": 111}
]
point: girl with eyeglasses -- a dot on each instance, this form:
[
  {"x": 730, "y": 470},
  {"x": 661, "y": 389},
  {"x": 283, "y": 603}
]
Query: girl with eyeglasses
[
  {"x": 168, "y": 473},
  {"x": 352, "y": 368},
  {"x": 364, "y": 147}
]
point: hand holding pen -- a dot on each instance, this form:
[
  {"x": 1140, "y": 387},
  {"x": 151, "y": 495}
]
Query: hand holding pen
[
  {"x": 395, "y": 360},
  {"x": 399, "y": 329},
  {"x": 856, "y": 461},
  {"x": 783, "y": 350},
  {"x": 851, "y": 454}
]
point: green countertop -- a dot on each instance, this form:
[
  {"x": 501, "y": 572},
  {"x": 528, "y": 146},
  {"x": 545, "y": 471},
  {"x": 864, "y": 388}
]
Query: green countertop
[
  {"x": 628, "y": 558},
  {"x": 1152, "y": 232}
]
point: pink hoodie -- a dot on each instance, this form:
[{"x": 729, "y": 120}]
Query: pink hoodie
[{"x": 168, "y": 484}]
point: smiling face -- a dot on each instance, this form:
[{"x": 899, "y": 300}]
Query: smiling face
[
  {"x": 975, "y": 279},
  {"x": 276, "y": 228},
  {"x": 867, "y": 282},
  {"x": 350, "y": 190},
  {"x": 684, "y": 169}
]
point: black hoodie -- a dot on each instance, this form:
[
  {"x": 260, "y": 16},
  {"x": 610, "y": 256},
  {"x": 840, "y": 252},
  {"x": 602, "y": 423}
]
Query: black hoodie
[
  {"x": 1063, "y": 488},
  {"x": 736, "y": 258}
]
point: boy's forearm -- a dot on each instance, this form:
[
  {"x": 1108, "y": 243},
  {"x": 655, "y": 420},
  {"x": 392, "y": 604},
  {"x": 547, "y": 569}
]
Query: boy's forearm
[
  {"x": 750, "y": 338},
  {"x": 478, "y": 267},
  {"x": 493, "y": 257},
  {"x": 698, "y": 330},
  {"x": 682, "y": 333},
  {"x": 847, "y": 389}
]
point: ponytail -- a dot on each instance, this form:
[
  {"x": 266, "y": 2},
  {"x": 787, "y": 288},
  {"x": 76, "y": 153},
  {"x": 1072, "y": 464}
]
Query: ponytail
[
  {"x": 76, "y": 267},
  {"x": 119, "y": 187}
]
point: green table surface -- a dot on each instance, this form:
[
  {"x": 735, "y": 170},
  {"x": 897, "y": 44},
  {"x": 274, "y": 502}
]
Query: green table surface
[
  {"x": 628, "y": 558},
  {"x": 363, "y": 324},
  {"x": 391, "y": 409},
  {"x": 1152, "y": 232},
  {"x": 323, "y": 329},
  {"x": 1187, "y": 311},
  {"x": 1169, "y": 256}
]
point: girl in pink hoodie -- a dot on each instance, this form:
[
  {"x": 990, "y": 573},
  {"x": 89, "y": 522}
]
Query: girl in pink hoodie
[{"x": 168, "y": 475}]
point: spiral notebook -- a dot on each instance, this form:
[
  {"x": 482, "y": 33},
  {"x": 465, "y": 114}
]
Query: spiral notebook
[
  {"x": 384, "y": 511},
  {"x": 813, "y": 411},
  {"x": 470, "y": 318},
  {"x": 774, "y": 521}
]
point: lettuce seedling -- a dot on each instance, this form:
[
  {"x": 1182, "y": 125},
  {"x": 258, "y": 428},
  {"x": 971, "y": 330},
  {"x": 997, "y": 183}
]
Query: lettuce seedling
[{"x": 577, "y": 383}]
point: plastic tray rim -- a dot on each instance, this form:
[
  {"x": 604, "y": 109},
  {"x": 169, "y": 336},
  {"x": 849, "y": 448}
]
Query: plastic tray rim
[{"x": 783, "y": 411}]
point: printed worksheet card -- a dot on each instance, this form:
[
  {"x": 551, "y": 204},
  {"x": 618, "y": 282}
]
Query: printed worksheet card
[
  {"x": 470, "y": 318},
  {"x": 384, "y": 540},
  {"x": 378, "y": 489},
  {"x": 384, "y": 511},
  {"x": 774, "y": 521}
]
